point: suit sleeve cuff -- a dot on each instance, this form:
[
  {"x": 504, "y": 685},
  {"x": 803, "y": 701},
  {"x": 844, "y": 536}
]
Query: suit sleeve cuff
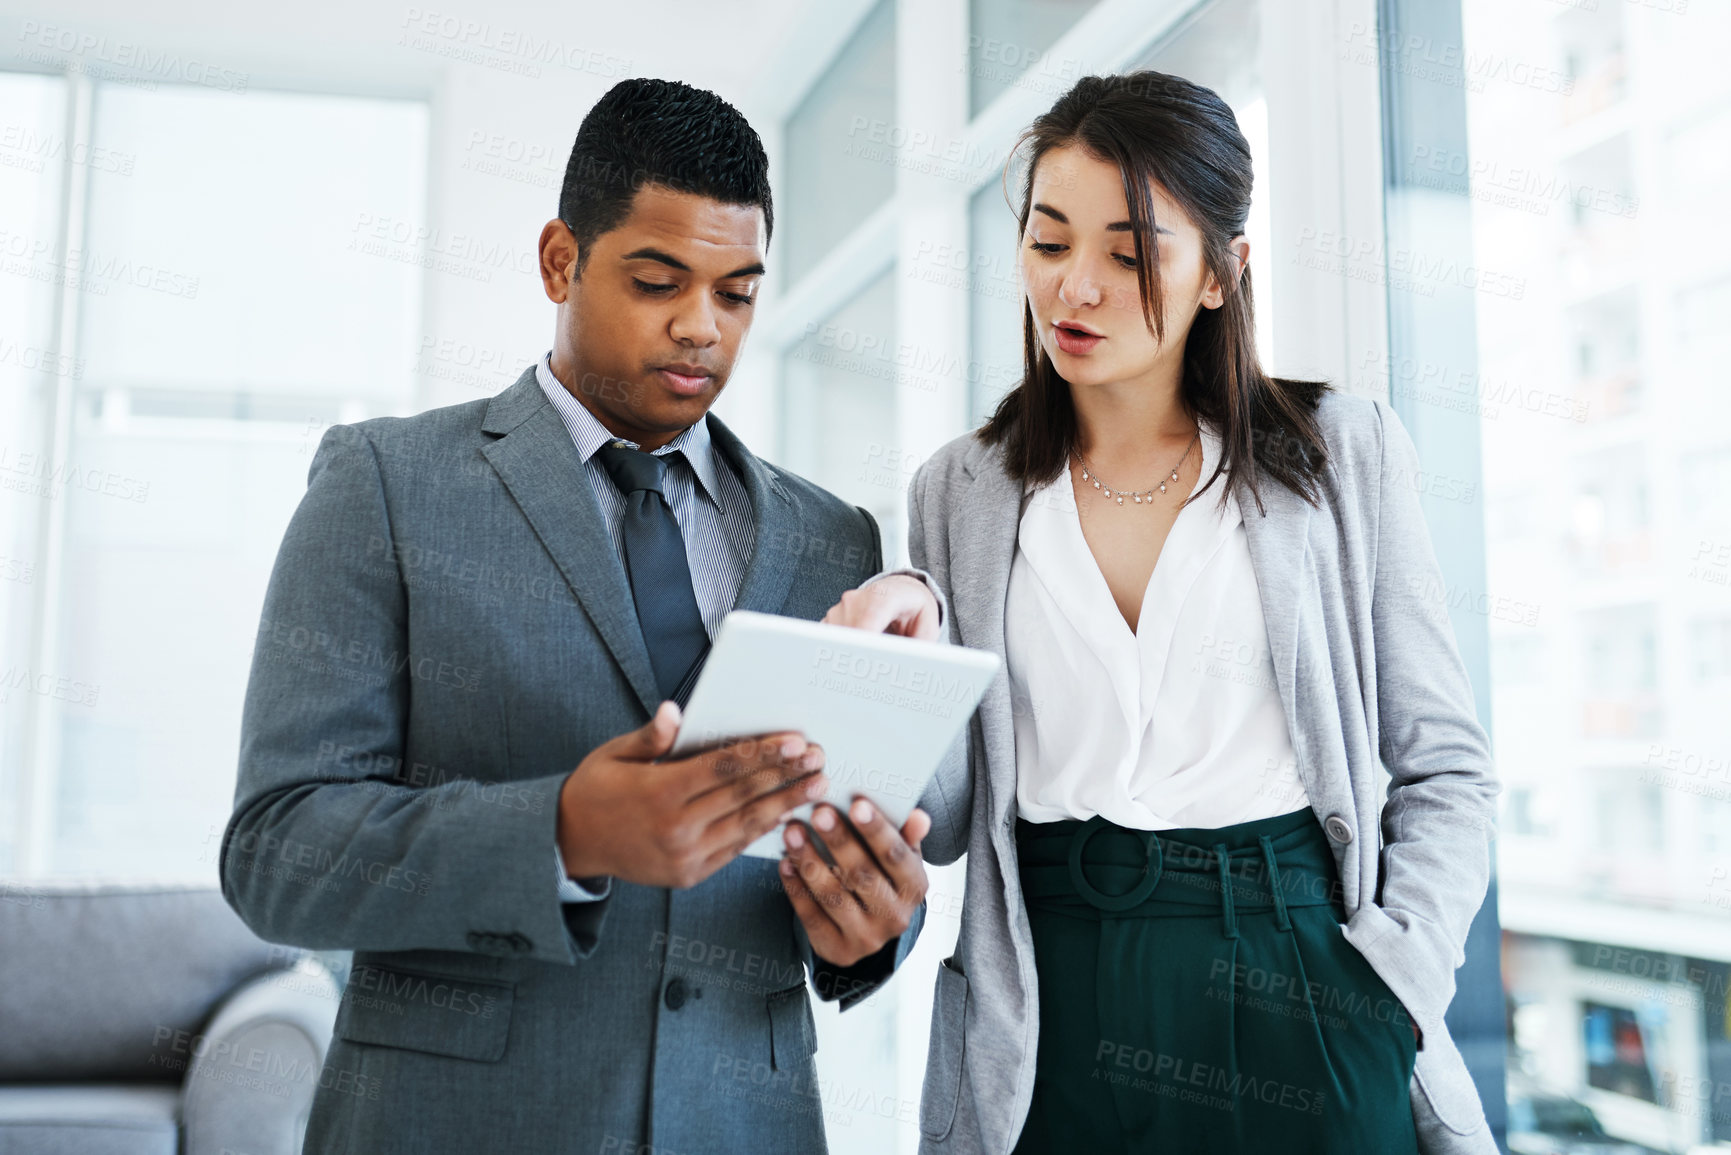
[{"x": 850, "y": 984}]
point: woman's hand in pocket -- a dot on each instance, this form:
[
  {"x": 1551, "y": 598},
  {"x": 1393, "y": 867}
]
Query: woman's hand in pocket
[{"x": 897, "y": 604}]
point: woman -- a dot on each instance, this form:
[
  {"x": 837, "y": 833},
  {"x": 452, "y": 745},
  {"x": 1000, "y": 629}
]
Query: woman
[{"x": 1192, "y": 921}]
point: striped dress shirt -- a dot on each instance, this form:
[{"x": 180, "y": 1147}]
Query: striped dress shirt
[
  {"x": 708, "y": 499},
  {"x": 710, "y": 504}
]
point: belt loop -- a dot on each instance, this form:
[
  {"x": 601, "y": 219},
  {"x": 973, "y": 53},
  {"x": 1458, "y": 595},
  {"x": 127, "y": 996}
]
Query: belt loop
[
  {"x": 1227, "y": 916},
  {"x": 1280, "y": 917}
]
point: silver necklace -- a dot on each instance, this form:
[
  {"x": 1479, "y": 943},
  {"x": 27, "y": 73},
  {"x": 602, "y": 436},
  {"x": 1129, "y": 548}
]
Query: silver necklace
[{"x": 1146, "y": 497}]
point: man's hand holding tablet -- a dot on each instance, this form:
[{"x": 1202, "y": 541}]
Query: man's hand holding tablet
[
  {"x": 852, "y": 908},
  {"x": 624, "y": 814},
  {"x": 675, "y": 800},
  {"x": 674, "y": 823}
]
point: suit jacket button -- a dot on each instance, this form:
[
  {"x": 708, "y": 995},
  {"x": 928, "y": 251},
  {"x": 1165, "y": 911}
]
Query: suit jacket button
[
  {"x": 1338, "y": 828},
  {"x": 674, "y": 996}
]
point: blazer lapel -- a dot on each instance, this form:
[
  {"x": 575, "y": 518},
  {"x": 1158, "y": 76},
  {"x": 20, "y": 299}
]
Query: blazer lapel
[
  {"x": 538, "y": 464},
  {"x": 774, "y": 558},
  {"x": 1278, "y": 537},
  {"x": 982, "y": 546}
]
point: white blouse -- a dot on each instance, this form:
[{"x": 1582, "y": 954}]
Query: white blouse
[{"x": 1178, "y": 724}]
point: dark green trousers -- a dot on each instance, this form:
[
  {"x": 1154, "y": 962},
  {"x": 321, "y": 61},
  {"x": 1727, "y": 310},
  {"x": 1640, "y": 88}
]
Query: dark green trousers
[{"x": 1197, "y": 995}]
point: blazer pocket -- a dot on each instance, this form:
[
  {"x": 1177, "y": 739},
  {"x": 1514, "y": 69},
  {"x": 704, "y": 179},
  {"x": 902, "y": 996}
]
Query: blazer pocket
[
  {"x": 792, "y": 1030},
  {"x": 440, "y": 1014},
  {"x": 1446, "y": 1085},
  {"x": 945, "y": 1051}
]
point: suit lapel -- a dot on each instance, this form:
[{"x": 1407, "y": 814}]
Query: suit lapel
[
  {"x": 1278, "y": 539},
  {"x": 538, "y": 464},
  {"x": 776, "y": 550}
]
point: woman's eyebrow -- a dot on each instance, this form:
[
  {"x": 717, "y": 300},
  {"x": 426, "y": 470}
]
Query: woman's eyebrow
[
  {"x": 1114, "y": 227},
  {"x": 1124, "y": 227}
]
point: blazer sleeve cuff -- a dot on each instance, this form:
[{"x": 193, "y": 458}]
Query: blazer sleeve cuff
[{"x": 931, "y": 584}]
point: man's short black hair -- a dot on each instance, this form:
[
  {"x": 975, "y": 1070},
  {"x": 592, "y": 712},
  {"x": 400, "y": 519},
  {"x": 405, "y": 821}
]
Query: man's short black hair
[{"x": 663, "y": 132}]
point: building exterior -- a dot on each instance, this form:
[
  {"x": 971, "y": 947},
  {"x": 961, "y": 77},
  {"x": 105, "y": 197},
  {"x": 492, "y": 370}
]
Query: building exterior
[{"x": 1607, "y": 495}]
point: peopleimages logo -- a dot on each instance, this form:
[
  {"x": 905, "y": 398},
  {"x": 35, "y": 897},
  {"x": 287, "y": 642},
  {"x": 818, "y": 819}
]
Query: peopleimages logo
[
  {"x": 45, "y": 685},
  {"x": 1173, "y": 1076},
  {"x": 914, "y": 691},
  {"x": 411, "y": 988},
  {"x": 891, "y": 675},
  {"x": 502, "y": 47},
  {"x": 89, "y": 47},
  {"x": 248, "y": 848},
  {"x": 365, "y": 656}
]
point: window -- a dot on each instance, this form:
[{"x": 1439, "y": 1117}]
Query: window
[
  {"x": 995, "y": 283},
  {"x": 36, "y": 367},
  {"x": 1710, "y": 647},
  {"x": 838, "y": 407},
  {"x": 1595, "y": 152},
  {"x": 1616, "y": 1051},
  {"x": 842, "y": 145},
  {"x": 248, "y": 273},
  {"x": 1009, "y": 43}
]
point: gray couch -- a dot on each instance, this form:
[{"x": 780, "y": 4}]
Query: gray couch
[{"x": 138, "y": 1020}]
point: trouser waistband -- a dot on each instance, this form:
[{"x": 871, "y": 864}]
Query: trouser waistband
[{"x": 1098, "y": 868}]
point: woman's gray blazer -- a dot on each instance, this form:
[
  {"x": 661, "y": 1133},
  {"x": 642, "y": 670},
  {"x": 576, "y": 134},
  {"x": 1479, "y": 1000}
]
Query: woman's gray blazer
[{"x": 1378, "y": 703}]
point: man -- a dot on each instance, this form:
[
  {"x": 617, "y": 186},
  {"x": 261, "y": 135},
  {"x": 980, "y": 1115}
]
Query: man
[{"x": 446, "y": 765}]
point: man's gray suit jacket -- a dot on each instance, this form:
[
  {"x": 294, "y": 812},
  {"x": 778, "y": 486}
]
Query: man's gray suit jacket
[{"x": 448, "y": 631}]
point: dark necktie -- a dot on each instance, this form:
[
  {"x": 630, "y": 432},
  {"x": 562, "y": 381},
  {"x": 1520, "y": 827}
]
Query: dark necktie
[{"x": 655, "y": 563}]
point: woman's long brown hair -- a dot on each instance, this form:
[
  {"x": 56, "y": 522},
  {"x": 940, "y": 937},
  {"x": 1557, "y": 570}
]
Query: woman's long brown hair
[{"x": 1161, "y": 128}]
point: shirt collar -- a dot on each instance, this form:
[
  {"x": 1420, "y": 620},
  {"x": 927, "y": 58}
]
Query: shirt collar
[{"x": 588, "y": 434}]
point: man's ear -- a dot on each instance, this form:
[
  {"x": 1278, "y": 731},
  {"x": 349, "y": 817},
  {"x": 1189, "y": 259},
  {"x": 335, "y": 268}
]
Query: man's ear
[{"x": 558, "y": 252}]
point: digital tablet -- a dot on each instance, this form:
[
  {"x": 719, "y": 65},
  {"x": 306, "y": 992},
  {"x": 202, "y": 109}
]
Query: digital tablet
[{"x": 884, "y": 708}]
